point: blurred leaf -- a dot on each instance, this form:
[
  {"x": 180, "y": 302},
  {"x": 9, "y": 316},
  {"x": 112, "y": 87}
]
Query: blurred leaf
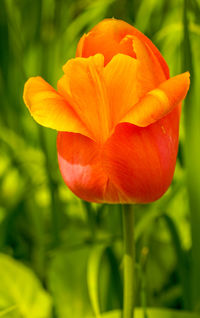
[
  {"x": 20, "y": 287},
  {"x": 145, "y": 10},
  {"x": 183, "y": 269},
  {"x": 67, "y": 282},
  {"x": 94, "y": 264},
  {"x": 153, "y": 313},
  {"x": 8, "y": 311},
  {"x": 190, "y": 58},
  {"x": 93, "y": 12}
]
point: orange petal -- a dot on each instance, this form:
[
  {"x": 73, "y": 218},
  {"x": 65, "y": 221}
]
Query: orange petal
[
  {"x": 159, "y": 102},
  {"x": 50, "y": 109},
  {"x": 81, "y": 168},
  {"x": 150, "y": 73},
  {"x": 120, "y": 78},
  {"x": 108, "y": 41},
  {"x": 80, "y": 45},
  {"x": 84, "y": 88},
  {"x": 141, "y": 161},
  {"x": 107, "y": 38}
]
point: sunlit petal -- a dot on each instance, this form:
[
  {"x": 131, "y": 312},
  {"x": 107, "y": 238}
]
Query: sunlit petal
[
  {"x": 107, "y": 38},
  {"x": 120, "y": 78},
  {"x": 49, "y": 108},
  {"x": 84, "y": 88},
  {"x": 159, "y": 102}
]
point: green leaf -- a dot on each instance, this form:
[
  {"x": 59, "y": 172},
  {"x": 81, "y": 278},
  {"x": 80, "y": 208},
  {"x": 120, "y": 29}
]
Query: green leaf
[
  {"x": 8, "y": 311},
  {"x": 67, "y": 282},
  {"x": 145, "y": 10},
  {"x": 191, "y": 56},
  {"x": 154, "y": 313},
  {"x": 94, "y": 263},
  {"x": 20, "y": 288},
  {"x": 181, "y": 259}
]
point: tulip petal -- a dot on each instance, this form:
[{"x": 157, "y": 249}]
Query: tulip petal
[
  {"x": 120, "y": 78},
  {"x": 80, "y": 164},
  {"x": 150, "y": 74},
  {"x": 159, "y": 102},
  {"x": 108, "y": 41},
  {"x": 107, "y": 38},
  {"x": 84, "y": 88},
  {"x": 50, "y": 109},
  {"x": 141, "y": 161}
]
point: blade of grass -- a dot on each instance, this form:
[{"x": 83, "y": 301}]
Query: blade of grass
[
  {"x": 192, "y": 129},
  {"x": 181, "y": 259},
  {"x": 8, "y": 310},
  {"x": 53, "y": 191},
  {"x": 93, "y": 268}
]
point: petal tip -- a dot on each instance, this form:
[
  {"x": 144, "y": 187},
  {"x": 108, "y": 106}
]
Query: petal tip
[
  {"x": 184, "y": 81},
  {"x": 187, "y": 76},
  {"x": 26, "y": 90},
  {"x": 31, "y": 84}
]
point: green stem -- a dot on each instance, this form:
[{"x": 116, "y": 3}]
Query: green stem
[
  {"x": 129, "y": 262},
  {"x": 90, "y": 217}
]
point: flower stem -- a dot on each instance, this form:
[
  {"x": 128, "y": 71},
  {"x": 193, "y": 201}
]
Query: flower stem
[{"x": 129, "y": 261}]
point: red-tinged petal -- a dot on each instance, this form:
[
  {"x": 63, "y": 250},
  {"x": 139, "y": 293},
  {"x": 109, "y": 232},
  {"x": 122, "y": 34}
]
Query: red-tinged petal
[
  {"x": 84, "y": 88},
  {"x": 80, "y": 164},
  {"x": 49, "y": 108},
  {"x": 159, "y": 102},
  {"x": 141, "y": 161},
  {"x": 107, "y": 38},
  {"x": 120, "y": 77}
]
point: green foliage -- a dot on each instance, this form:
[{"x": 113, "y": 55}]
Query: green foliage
[
  {"x": 21, "y": 294},
  {"x": 154, "y": 313},
  {"x": 61, "y": 257},
  {"x": 94, "y": 263},
  {"x": 67, "y": 282}
]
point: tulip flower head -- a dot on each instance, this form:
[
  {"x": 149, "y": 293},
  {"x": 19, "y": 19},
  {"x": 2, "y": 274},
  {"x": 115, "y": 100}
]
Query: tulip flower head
[{"x": 117, "y": 114}]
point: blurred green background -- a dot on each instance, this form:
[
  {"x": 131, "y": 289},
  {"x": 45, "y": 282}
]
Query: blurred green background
[{"x": 60, "y": 257}]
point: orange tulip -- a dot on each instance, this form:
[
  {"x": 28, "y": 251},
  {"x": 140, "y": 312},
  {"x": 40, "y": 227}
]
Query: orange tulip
[{"x": 117, "y": 113}]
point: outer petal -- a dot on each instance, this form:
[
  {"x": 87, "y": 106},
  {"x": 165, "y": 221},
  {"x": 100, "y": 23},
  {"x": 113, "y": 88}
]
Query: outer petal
[
  {"x": 49, "y": 108},
  {"x": 141, "y": 161},
  {"x": 107, "y": 37},
  {"x": 80, "y": 164},
  {"x": 84, "y": 88},
  {"x": 159, "y": 102}
]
